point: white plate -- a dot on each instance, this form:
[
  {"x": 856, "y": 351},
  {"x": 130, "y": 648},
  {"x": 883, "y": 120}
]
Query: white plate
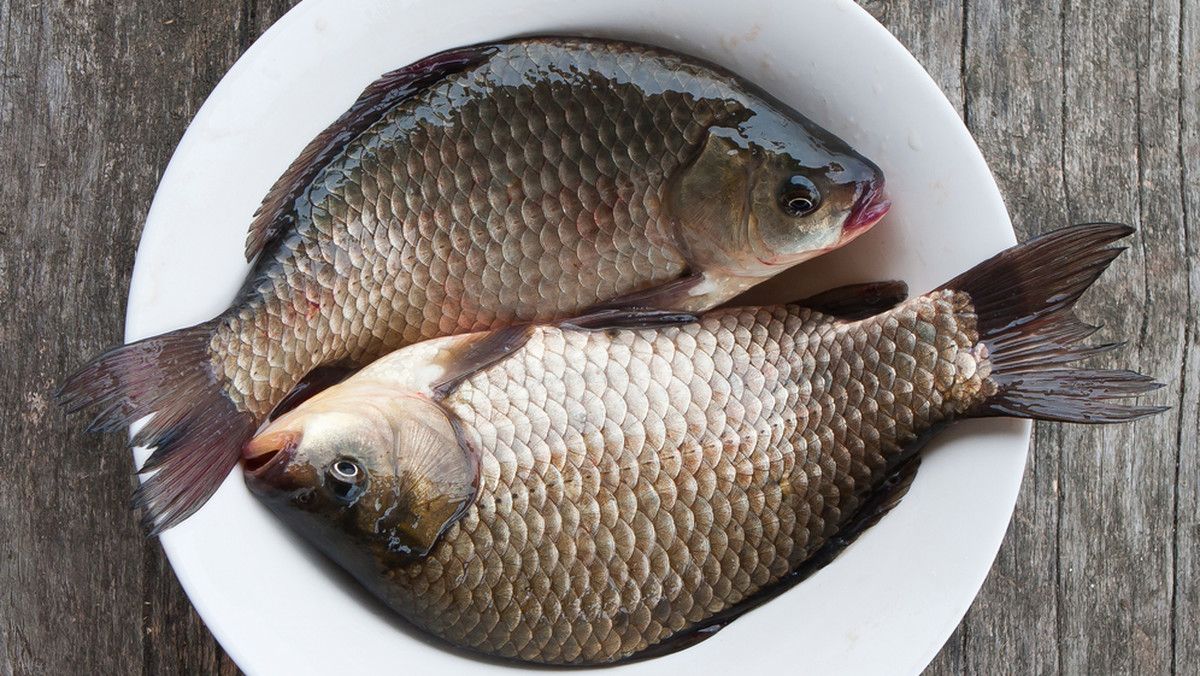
[{"x": 884, "y": 607}]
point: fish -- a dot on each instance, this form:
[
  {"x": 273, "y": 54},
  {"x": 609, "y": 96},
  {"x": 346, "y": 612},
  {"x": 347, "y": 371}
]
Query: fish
[
  {"x": 484, "y": 186},
  {"x": 614, "y": 488}
]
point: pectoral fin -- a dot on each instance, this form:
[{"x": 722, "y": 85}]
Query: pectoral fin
[
  {"x": 477, "y": 354},
  {"x": 671, "y": 295},
  {"x": 316, "y": 380},
  {"x": 601, "y": 320}
]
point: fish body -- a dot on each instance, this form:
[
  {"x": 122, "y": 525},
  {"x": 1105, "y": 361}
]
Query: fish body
[
  {"x": 575, "y": 494},
  {"x": 486, "y": 186}
]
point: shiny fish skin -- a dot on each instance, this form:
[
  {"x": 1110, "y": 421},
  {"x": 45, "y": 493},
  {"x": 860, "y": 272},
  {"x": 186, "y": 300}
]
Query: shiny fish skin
[
  {"x": 466, "y": 207},
  {"x": 667, "y": 476},
  {"x": 481, "y": 187},
  {"x": 637, "y": 483},
  {"x": 529, "y": 197},
  {"x": 590, "y": 494}
]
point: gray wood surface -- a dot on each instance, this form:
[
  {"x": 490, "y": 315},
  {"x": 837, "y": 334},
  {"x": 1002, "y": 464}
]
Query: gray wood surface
[{"x": 1084, "y": 111}]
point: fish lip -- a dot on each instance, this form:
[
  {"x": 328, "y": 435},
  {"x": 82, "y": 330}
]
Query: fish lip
[
  {"x": 871, "y": 206},
  {"x": 266, "y": 457}
]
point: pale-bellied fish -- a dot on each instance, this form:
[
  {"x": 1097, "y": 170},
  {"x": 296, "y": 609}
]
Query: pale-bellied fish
[
  {"x": 620, "y": 487},
  {"x": 478, "y": 188}
]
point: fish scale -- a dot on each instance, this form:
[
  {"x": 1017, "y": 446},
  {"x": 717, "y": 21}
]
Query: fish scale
[
  {"x": 479, "y": 188},
  {"x": 446, "y": 161},
  {"x": 652, "y": 539}
]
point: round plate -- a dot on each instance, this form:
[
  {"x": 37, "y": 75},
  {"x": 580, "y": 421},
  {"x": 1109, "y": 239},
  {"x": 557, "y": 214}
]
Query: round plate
[{"x": 885, "y": 606}]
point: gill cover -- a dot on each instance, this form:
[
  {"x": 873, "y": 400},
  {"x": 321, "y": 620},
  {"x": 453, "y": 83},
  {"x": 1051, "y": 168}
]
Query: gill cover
[
  {"x": 432, "y": 479},
  {"x": 768, "y": 193},
  {"x": 378, "y": 479}
]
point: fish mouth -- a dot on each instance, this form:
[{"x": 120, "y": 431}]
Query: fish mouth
[
  {"x": 267, "y": 455},
  {"x": 867, "y": 210}
]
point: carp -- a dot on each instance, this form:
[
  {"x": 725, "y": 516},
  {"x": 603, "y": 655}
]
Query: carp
[
  {"x": 620, "y": 486},
  {"x": 482, "y": 187}
]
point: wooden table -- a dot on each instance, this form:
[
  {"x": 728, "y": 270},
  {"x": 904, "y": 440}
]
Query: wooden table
[{"x": 1084, "y": 110}]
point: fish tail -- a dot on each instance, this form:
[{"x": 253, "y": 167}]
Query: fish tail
[
  {"x": 1024, "y": 302},
  {"x": 196, "y": 431}
]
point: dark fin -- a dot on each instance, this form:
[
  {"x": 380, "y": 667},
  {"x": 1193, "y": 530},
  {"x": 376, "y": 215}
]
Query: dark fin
[
  {"x": 477, "y": 355},
  {"x": 680, "y": 640},
  {"x": 277, "y": 212},
  {"x": 601, "y": 320},
  {"x": 666, "y": 296},
  {"x": 316, "y": 380},
  {"x": 492, "y": 346},
  {"x": 1024, "y": 298},
  {"x": 858, "y": 301},
  {"x": 884, "y": 497},
  {"x": 197, "y": 430}
]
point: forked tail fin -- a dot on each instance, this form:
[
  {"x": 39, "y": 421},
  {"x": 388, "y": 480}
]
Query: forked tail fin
[
  {"x": 1024, "y": 299},
  {"x": 196, "y": 431}
]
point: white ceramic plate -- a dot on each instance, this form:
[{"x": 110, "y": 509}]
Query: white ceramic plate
[{"x": 884, "y": 607}]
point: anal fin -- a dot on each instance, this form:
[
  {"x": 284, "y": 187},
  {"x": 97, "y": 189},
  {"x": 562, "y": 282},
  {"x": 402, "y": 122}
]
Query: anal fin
[
  {"x": 678, "y": 641},
  {"x": 882, "y": 501}
]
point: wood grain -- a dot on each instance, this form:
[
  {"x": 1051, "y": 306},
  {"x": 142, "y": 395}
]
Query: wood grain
[
  {"x": 1084, "y": 111},
  {"x": 1185, "y": 535},
  {"x": 1019, "y": 130},
  {"x": 93, "y": 98}
]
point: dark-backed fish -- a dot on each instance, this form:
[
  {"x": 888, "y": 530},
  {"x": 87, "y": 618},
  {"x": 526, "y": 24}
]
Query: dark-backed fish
[
  {"x": 589, "y": 492},
  {"x": 475, "y": 189}
]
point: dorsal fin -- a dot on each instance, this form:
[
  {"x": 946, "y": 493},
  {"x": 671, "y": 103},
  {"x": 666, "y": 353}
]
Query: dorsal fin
[{"x": 277, "y": 211}]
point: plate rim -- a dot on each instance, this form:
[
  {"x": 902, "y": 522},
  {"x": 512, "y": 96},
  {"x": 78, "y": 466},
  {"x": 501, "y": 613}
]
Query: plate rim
[{"x": 195, "y": 580}]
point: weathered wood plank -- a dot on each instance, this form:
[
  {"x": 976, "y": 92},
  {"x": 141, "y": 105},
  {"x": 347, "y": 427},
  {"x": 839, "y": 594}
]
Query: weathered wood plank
[
  {"x": 1163, "y": 340},
  {"x": 1185, "y": 610},
  {"x": 73, "y": 187},
  {"x": 1118, "y": 482},
  {"x": 1014, "y": 109},
  {"x": 93, "y": 99}
]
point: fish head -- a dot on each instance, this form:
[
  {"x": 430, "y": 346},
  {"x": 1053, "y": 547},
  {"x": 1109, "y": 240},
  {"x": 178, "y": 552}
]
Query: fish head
[
  {"x": 372, "y": 477},
  {"x": 771, "y": 191}
]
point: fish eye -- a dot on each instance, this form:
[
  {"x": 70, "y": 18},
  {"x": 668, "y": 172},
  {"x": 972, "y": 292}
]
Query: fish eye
[
  {"x": 346, "y": 479},
  {"x": 798, "y": 196}
]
